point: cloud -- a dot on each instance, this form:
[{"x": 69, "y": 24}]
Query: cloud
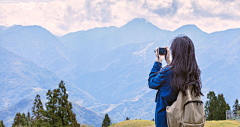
[
  {"x": 221, "y": 9},
  {"x": 17, "y": 1},
  {"x": 63, "y": 16}
]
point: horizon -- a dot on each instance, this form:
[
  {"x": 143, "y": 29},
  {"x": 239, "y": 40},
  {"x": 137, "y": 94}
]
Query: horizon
[{"x": 117, "y": 27}]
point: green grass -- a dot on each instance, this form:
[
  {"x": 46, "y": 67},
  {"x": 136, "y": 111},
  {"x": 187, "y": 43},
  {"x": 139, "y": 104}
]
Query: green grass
[{"x": 148, "y": 123}]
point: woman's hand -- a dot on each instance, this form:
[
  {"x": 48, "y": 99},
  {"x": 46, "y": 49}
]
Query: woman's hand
[
  {"x": 159, "y": 57},
  {"x": 168, "y": 60}
]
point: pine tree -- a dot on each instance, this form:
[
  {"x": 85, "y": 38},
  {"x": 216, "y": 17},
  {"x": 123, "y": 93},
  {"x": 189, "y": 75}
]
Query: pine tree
[
  {"x": 52, "y": 108},
  {"x": 221, "y": 108},
  {"x": 106, "y": 121},
  {"x": 58, "y": 109},
  {"x": 20, "y": 120},
  {"x": 1, "y": 124},
  {"x": 68, "y": 117},
  {"x": 127, "y": 118},
  {"x": 74, "y": 122},
  {"x": 38, "y": 112},
  {"x": 236, "y": 107},
  {"x": 17, "y": 120},
  {"x": 210, "y": 106},
  {"x": 29, "y": 119},
  {"x": 37, "y": 109},
  {"x": 215, "y": 107},
  {"x": 23, "y": 120},
  {"x": 64, "y": 109}
]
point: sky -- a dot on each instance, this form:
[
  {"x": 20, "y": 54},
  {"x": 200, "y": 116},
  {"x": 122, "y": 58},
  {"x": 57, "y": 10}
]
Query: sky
[{"x": 64, "y": 16}]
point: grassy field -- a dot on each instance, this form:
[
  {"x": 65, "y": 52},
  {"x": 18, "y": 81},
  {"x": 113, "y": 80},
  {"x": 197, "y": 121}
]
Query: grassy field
[
  {"x": 148, "y": 123},
  {"x": 135, "y": 123},
  {"x": 222, "y": 123}
]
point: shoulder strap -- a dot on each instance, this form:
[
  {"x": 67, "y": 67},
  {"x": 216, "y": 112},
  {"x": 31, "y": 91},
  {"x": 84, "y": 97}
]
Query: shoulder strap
[
  {"x": 200, "y": 102},
  {"x": 189, "y": 98}
]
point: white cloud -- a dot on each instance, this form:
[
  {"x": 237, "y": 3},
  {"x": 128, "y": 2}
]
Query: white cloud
[
  {"x": 155, "y": 4},
  {"x": 17, "y": 1},
  {"x": 64, "y": 16}
]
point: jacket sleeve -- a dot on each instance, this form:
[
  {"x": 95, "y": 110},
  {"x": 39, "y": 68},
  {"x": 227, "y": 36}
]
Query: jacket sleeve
[{"x": 155, "y": 81}]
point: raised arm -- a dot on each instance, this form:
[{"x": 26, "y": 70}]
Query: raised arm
[{"x": 156, "y": 80}]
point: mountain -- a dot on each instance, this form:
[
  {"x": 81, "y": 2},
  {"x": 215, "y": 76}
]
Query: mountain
[
  {"x": 140, "y": 107},
  {"x": 38, "y": 45},
  {"x": 21, "y": 78},
  {"x": 80, "y": 38},
  {"x": 87, "y": 116},
  {"x": 83, "y": 115},
  {"x": 123, "y": 72},
  {"x": 8, "y": 114},
  {"x": 137, "y": 30},
  {"x": 108, "y": 72},
  {"x": 1, "y": 30},
  {"x": 219, "y": 61},
  {"x": 192, "y": 31}
]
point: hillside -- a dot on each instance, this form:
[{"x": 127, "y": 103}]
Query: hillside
[
  {"x": 147, "y": 123},
  {"x": 19, "y": 76},
  {"x": 39, "y": 46}
]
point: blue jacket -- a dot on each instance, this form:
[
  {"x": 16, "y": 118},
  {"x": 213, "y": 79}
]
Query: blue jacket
[{"x": 165, "y": 95}]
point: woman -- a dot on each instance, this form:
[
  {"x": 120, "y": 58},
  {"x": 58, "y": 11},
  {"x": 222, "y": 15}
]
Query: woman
[{"x": 176, "y": 76}]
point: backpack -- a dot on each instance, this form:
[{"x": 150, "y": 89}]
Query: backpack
[{"x": 186, "y": 111}]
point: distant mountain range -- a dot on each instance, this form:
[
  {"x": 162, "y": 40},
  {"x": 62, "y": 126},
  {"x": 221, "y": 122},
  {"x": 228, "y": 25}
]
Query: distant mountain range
[{"x": 106, "y": 69}]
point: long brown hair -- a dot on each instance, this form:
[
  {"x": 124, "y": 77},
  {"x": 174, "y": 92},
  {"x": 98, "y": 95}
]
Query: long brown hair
[{"x": 184, "y": 66}]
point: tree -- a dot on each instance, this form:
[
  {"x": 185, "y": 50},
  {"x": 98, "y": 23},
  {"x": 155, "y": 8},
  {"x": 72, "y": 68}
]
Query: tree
[
  {"x": 1, "y": 124},
  {"x": 37, "y": 108},
  {"x": 236, "y": 107},
  {"x": 74, "y": 122},
  {"x": 52, "y": 108},
  {"x": 210, "y": 106},
  {"x": 106, "y": 121},
  {"x": 58, "y": 109},
  {"x": 127, "y": 118},
  {"x": 64, "y": 110},
  {"x": 20, "y": 120},
  {"x": 38, "y": 117},
  {"x": 29, "y": 119},
  {"x": 23, "y": 120},
  {"x": 221, "y": 108},
  {"x": 68, "y": 117},
  {"x": 215, "y": 107},
  {"x": 17, "y": 120}
]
